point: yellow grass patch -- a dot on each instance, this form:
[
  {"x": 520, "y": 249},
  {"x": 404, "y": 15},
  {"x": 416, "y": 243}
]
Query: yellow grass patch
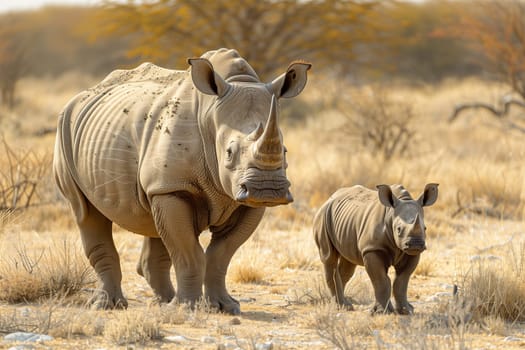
[
  {"x": 496, "y": 285},
  {"x": 59, "y": 270}
]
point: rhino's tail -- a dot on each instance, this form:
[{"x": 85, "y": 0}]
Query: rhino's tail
[
  {"x": 330, "y": 257},
  {"x": 323, "y": 232}
]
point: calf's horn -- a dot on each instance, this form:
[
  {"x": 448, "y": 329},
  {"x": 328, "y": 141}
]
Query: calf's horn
[{"x": 268, "y": 149}]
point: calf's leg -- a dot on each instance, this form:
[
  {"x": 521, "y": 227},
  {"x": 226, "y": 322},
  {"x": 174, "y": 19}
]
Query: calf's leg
[
  {"x": 377, "y": 269},
  {"x": 343, "y": 273},
  {"x": 403, "y": 273}
]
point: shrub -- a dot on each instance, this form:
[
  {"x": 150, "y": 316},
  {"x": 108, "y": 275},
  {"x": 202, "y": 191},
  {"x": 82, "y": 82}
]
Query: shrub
[
  {"x": 55, "y": 272},
  {"x": 497, "y": 288},
  {"x": 133, "y": 326},
  {"x": 20, "y": 175},
  {"x": 380, "y": 122}
]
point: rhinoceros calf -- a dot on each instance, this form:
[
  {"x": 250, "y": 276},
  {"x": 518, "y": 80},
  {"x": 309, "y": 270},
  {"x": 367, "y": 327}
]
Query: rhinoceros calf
[
  {"x": 167, "y": 154},
  {"x": 377, "y": 229}
]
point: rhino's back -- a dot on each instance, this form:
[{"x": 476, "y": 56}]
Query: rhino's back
[
  {"x": 357, "y": 219},
  {"x": 116, "y": 140}
]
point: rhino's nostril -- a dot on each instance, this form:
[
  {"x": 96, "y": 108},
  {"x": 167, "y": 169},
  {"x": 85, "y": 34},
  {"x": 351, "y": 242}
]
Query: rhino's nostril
[
  {"x": 416, "y": 243},
  {"x": 243, "y": 193}
]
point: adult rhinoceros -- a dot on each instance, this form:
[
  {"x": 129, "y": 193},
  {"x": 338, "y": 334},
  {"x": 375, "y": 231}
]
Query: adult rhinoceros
[{"x": 168, "y": 154}]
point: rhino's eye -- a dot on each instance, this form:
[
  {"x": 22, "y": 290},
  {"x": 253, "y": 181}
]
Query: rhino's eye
[
  {"x": 229, "y": 153},
  {"x": 399, "y": 230}
]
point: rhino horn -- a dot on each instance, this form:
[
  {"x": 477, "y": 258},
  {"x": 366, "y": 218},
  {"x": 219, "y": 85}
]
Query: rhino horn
[
  {"x": 416, "y": 225},
  {"x": 268, "y": 149}
]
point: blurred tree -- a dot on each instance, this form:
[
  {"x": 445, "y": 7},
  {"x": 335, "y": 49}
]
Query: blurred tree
[
  {"x": 496, "y": 29},
  {"x": 60, "y": 42},
  {"x": 269, "y": 34},
  {"x": 412, "y": 45},
  {"x": 13, "y": 63}
]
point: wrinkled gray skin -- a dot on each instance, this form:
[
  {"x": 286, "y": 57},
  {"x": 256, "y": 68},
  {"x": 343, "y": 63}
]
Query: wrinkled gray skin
[
  {"x": 374, "y": 229},
  {"x": 168, "y": 154}
]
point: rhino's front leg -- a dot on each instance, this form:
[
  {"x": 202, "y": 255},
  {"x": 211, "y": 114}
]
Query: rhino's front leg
[
  {"x": 224, "y": 242},
  {"x": 154, "y": 265},
  {"x": 403, "y": 273},
  {"x": 174, "y": 221},
  {"x": 377, "y": 269}
]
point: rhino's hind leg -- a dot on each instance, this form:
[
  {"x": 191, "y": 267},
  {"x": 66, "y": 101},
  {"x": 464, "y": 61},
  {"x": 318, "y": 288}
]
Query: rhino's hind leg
[
  {"x": 174, "y": 221},
  {"x": 97, "y": 239},
  {"x": 345, "y": 271},
  {"x": 154, "y": 265},
  {"x": 335, "y": 270},
  {"x": 223, "y": 245}
]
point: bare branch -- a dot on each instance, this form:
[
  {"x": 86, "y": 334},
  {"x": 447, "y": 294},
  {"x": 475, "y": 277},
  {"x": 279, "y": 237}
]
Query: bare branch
[{"x": 494, "y": 110}]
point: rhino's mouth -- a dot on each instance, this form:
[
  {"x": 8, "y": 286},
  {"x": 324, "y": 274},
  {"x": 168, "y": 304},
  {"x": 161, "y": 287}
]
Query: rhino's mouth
[{"x": 259, "y": 188}]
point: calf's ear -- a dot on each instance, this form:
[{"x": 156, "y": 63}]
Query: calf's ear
[
  {"x": 429, "y": 195},
  {"x": 386, "y": 197},
  {"x": 205, "y": 79},
  {"x": 291, "y": 83}
]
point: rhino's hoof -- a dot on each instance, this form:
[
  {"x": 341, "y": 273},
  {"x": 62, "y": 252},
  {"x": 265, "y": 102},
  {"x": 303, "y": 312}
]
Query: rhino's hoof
[
  {"x": 232, "y": 309},
  {"x": 227, "y": 305},
  {"x": 101, "y": 301},
  {"x": 379, "y": 309},
  {"x": 405, "y": 310},
  {"x": 345, "y": 305}
]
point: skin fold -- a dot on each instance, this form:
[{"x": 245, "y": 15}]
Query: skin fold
[{"x": 168, "y": 154}]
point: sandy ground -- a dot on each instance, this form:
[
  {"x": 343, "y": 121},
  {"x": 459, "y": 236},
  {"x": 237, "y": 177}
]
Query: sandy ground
[{"x": 280, "y": 310}]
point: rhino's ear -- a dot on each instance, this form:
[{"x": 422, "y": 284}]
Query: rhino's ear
[
  {"x": 291, "y": 83},
  {"x": 205, "y": 79},
  {"x": 386, "y": 197},
  {"x": 429, "y": 195}
]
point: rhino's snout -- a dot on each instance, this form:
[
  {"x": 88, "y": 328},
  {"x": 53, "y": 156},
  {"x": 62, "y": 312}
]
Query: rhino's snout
[
  {"x": 414, "y": 246},
  {"x": 263, "y": 188},
  {"x": 255, "y": 196}
]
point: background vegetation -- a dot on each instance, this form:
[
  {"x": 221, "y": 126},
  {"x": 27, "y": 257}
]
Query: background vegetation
[{"x": 421, "y": 41}]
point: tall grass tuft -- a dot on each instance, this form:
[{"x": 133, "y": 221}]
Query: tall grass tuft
[
  {"x": 53, "y": 272},
  {"x": 133, "y": 326},
  {"x": 497, "y": 288},
  {"x": 248, "y": 268}
]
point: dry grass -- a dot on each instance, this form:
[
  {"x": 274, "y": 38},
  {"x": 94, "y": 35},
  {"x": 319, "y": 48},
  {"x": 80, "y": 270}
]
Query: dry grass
[
  {"x": 248, "y": 267},
  {"x": 362, "y": 331},
  {"x": 426, "y": 265},
  {"x": 277, "y": 274},
  {"x": 132, "y": 327},
  {"x": 57, "y": 271},
  {"x": 496, "y": 287},
  {"x": 55, "y": 317},
  {"x": 474, "y": 159}
]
